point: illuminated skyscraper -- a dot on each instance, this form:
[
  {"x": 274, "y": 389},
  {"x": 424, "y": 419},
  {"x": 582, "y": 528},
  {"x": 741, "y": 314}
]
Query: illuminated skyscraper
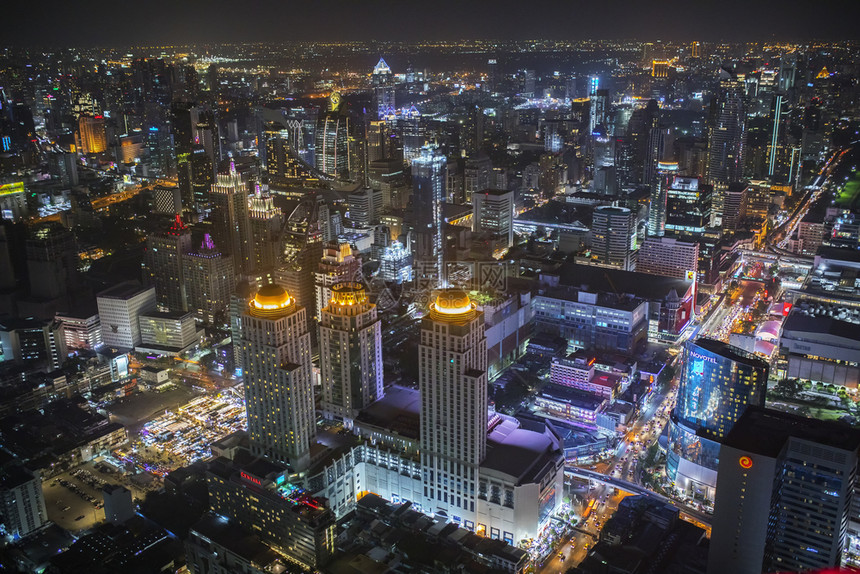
[
  {"x": 91, "y": 134},
  {"x": 428, "y": 197},
  {"x": 659, "y": 194},
  {"x": 229, "y": 198},
  {"x": 383, "y": 90},
  {"x": 266, "y": 226},
  {"x": 718, "y": 382},
  {"x": 276, "y": 355},
  {"x": 613, "y": 237},
  {"x": 209, "y": 281},
  {"x": 332, "y": 140},
  {"x": 350, "y": 353},
  {"x": 453, "y": 381},
  {"x": 338, "y": 265},
  {"x": 726, "y": 131},
  {"x": 493, "y": 213},
  {"x": 688, "y": 206},
  {"x": 786, "y": 498},
  {"x": 164, "y": 253}
]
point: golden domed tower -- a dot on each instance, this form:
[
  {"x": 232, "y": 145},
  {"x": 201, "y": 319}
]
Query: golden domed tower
[
  {"x": 276, "y": 354},
  {"x": 453, "y": 383},
  {"x": 350, "y": 353}
]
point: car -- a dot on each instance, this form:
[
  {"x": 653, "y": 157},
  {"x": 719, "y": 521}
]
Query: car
[{"x": 79, "y": 518}]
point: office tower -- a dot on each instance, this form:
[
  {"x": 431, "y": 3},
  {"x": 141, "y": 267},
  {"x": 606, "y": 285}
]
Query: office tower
[
  {"x": 332, "y": 151},
  {"x": 81, "y": 329},
  {"x": 282, "y": 163},
  {"x": 120, "y": 308},
  {"x": 266, "y": 223},
  {"x": 492, "y": 75},
  {"x": 688, "y": 206},
  {"x": 64, "y": 167},
  {"x": 599, "y": 103},
  {"x": 395, "y": 263},
  {"x": 377, "y": 144},
  {"x": 613, "y": 237},
  {"x": 661, "y": 148},
  {"x": 786, "y": 494},
  {"x": 166, "y": 200},
  {"x": 229, "y": 198},
  {"x": 163, "y": 263},
  {"x": 413, "y": 135},
  {"x": 659, "y": 68},
  {"x": 195, "y": 176},
  {"x": 642, "y": 121},
  {"x": 428, "y": 198},
  {"x": 365, "y": 207},
  {"x": 91, "y": 137},
  {"x": 305, "y": 235},
  {"x": 21, "y": 501},
  {"x": 718, "y": 382},
  {"x": 734, "y": 197},
  {"x": 33, "y": 343},
  {"x": 209, "y": 281},
  {"x": 52, "y": 262},
  {"x": 279, "y": 398},
  {"x": 337, "y": 265},
  {"x": 453, "y": 382},
  {"x": 726, "y": 131},
  {"x": 668, "y": 257},
  {"x": 696, "y": 50},
  {"x": 529, "y": 81},
  {"x": 493, "y": 213},
  {"x": 665, "y": 175},
  {"x": 350, "y": 353},
  {"x": 383, "y": 90},
  {"x": 476, "y": 175}
]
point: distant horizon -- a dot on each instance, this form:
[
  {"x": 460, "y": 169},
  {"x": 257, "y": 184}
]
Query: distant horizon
[{"x": 99, "y": 23}]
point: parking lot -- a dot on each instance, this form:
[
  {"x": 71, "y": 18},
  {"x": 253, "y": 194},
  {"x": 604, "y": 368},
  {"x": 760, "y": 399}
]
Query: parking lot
[{"x": 72, "y": 503}]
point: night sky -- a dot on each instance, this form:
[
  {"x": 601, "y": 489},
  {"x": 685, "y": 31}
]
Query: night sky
[{"x": 123, "y": 22}]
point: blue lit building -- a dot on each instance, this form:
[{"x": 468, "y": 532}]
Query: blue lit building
[
  {"x": 718, "y": 382},
  {"x": 429, "y": 176}
]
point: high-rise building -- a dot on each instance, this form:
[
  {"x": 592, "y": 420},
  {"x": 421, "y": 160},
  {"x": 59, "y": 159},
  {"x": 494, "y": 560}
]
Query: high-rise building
[
  {"x": 266, "y": 223},
  {"x": 665, "y": 175},
  {"x": 734, "y": 197},
  {"x": 453, "y": 382},
  {"x": 726, "y": 131},
  {"x": 231, "y": 228},
  {"x": 338, "y": 264},
  {"x": 276, "y": 357},
  {"x": 365, "y": 207},
  {"x": 613, "y": 237},
  {"x": 332, "y": 151},
  {"x": 786, "y": 494},
  {"x": 718, "y": 382},
  {"x": 120, "y": 308},
  {"x": 91, "y": 134},
  {"x": 21, "y": 501},
  {"x": 164, "y": 253},
  {"x": 307, "y": 230},
  {"x": 659, "y": 68},
  {"x": 350, "y": 353},
  {"x": 668, "y": 257},
  {"x": 383, "y": 90},
  {"x": 52, "y": 262},
  {"x": 209, "y": 281},
  {"x": 688, "y": 206},
  {"x": 428, "y": 198},
  {"x": 82, "y": 329},
  {"x": 493, "y": 213}
]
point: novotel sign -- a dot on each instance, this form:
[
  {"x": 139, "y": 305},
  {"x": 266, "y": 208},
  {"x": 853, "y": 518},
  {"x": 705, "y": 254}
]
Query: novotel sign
[
  {"x": 703, "y": 357},
  {"x": 250, "y": 478}
]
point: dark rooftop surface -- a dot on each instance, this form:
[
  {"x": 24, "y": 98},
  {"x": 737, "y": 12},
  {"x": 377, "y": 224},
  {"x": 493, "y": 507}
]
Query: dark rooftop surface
[
  {"x": 765, "y": 431},
  {"x": 123, "y": 290},
  {"x": 730, "y": 352},
  {"x": 602, "y": 279},
  {"x": 399, "y": 410}
]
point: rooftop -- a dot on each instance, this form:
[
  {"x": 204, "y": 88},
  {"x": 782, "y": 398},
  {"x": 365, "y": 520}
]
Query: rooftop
[
  {"x": 765, "y": 432},
  {"x": 124, "y": 290}
]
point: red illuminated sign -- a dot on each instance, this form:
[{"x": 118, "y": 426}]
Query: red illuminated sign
[
  {"x": 745, "y": 462},
  {"x": 250, "y": 478}
]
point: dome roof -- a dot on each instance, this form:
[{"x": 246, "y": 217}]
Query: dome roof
[
  {"x": 452, "y": 304},
  {"x": 271, "y": 298}
]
